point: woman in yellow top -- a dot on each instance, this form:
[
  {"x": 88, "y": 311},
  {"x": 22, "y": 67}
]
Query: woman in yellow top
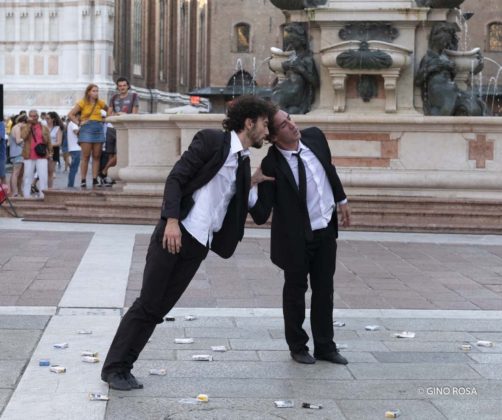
[{"x": 91, "y": 134}]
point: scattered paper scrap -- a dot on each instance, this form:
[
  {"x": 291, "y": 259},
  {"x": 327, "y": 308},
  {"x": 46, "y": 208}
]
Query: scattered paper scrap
[
  {"x": 84, "y": 332},
  {"x": 219, "y": 348},
  {"x": 405, "y": 334},
  {"x": 202, "y": 357},
  {"x": 183, "y": 340},
  {"x": 339, "y": 324},
  {"x": 97, "y": 396},
  {"x": 57, "y": 369},
  {"x": 89, "y": 353},
  {"x": 202, "y": 398},
  {"x": 190, "y": 318},
  {"x": 158, "y": 372},
  {"x": 372, "y": 327},
  {"x": 466, "y": 347},
  {"x": 61, "y": 346},
  {"x": 342, "y": 346},
  {"x": 284, "y": 403},
  {"x": 44, "y": 362},
  {"x": 169, "y": 318},
  {"x": 484, "y": 343},
  {"x": 312, "y": 406},
  {"x": 392, "y": 414},
  {"x": 90, "y": 359}
]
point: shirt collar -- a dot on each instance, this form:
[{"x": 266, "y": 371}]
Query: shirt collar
[
  {"x": 236, "y": 145},
  {"x": 288, "y": 154}
]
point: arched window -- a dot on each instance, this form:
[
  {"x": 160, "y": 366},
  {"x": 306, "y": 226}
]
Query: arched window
[
  {"x": 242, "y": 32},
  {"x": 495, "y": 36}
]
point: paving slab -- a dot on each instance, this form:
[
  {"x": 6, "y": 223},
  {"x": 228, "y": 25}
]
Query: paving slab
[
  {"x": 364, "y": 409},
  {"x": 221, "y": 409},
  {"x": 477, "y": 409},
  {"x": 376, "y": 274}
]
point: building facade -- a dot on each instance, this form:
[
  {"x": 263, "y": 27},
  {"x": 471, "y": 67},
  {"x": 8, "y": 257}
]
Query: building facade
[
  {"x": 169, "y": 48},
  {"x": 51, "y": 50}
]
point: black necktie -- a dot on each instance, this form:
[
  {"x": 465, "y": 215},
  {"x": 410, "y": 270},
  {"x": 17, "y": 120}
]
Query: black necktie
[
  {"x": 242, "y": 184},
  {"x": 302, "y": 188}
]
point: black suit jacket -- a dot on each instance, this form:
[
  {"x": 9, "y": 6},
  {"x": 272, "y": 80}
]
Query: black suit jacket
[
  {"x": 287, "y": 243},
  {"x": 197, "y": 166}
]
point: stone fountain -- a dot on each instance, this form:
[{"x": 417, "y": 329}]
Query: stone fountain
[{"x": 371, "y": 96}]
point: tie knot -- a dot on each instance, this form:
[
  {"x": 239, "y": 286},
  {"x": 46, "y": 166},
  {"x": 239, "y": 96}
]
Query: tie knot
[{"x": 297, "y": 154}]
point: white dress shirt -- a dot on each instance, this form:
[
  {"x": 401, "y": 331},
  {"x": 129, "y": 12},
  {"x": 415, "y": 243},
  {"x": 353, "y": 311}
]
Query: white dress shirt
[
  {"x": 320, "y": 199},
  {"x": 211, "y": 200}
]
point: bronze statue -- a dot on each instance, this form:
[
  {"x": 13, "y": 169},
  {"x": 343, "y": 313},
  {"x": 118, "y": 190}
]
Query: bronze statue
[
  {"x": 295, "y": 94},
  {"x": 435, "y": 77}
]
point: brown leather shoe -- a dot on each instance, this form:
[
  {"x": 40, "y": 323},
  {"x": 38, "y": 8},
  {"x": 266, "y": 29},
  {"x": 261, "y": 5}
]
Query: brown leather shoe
[
  {"x": 303, "y": 357},
  {"x": 333, "y": 357}
]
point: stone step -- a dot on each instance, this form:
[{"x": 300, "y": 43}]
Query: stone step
[{"x": 421, "y": 214}]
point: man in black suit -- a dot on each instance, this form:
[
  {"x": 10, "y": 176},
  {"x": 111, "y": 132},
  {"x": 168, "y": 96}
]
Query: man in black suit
[
  {"x": 305, "y": 193},
  {"x": 204, "y": 207}
]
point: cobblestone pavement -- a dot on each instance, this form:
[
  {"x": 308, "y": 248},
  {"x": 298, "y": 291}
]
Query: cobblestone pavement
[{"x": 445, "y": 288}]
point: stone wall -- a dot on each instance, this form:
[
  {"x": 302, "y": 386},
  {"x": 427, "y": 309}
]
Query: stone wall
[{"x": 385, "y": 155}]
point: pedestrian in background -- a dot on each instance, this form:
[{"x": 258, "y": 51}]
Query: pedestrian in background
[
  {"x": 56, "y": 133},
  {"x": 35, "y": 157},
  {"x": 73, "y": 149},
  {"x": 16, "y": 154},
  {"x": 123, "y": 102},
  {"x": 91, "y": 134}
]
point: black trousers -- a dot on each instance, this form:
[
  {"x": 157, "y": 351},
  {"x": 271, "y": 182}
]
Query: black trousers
[
  {"x": 165, "y": 278},
  {"x": 320, "y": 265}
]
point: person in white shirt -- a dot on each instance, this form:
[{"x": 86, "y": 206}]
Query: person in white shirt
[
  {"x": 204, "y": 207},
  {"x": 72, "y": 130},
  {"x": 304, "y": 195}
]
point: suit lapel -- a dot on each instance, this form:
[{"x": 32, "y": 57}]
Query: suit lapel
[{"x": 284, "y": 167}]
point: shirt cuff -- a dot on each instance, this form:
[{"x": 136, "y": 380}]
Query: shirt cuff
[
  {"x": 253, "y": 197},
  {"x": 344, "y": 201}
]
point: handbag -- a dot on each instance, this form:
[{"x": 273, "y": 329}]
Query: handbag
[{"x": 40, "y": 148}]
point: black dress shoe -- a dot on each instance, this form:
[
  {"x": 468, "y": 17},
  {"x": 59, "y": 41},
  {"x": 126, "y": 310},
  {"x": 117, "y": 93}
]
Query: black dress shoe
[
  {"x": 118, "y": 381},
  {"x": 334, "y": 357},
  {"x": 133, "y": 381},
  {"x": 303, "y": 357}
]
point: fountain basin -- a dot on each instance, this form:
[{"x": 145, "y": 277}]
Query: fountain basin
[
  {"x": 279, "y": 57},
  {"x": 400, "y": 55},
  {"x": 465, "y": 60},
  {"x": 400, "y": 59}
]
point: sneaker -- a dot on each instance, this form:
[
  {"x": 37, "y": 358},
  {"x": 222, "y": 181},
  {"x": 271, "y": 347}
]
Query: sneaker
[
  {"x": 108, "y": 182},
  {"x": 83, "y": 184},
  {"x": 97, "y": 182}
]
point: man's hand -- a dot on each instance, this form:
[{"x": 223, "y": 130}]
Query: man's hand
[
  {"x": 345, "y": 213},
  {"x": 259, "y": 177},
  {"x": 172, "y": 236}
]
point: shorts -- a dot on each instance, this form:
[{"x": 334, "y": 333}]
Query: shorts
[
  {"x": 55, "y": 153},
  {"x": 91, "y": 132},
  {"x": 16, "y": 160}
]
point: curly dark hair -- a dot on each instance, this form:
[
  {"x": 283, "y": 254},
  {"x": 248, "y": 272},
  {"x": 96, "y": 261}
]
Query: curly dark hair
[{"x": 243, "y": 107}]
